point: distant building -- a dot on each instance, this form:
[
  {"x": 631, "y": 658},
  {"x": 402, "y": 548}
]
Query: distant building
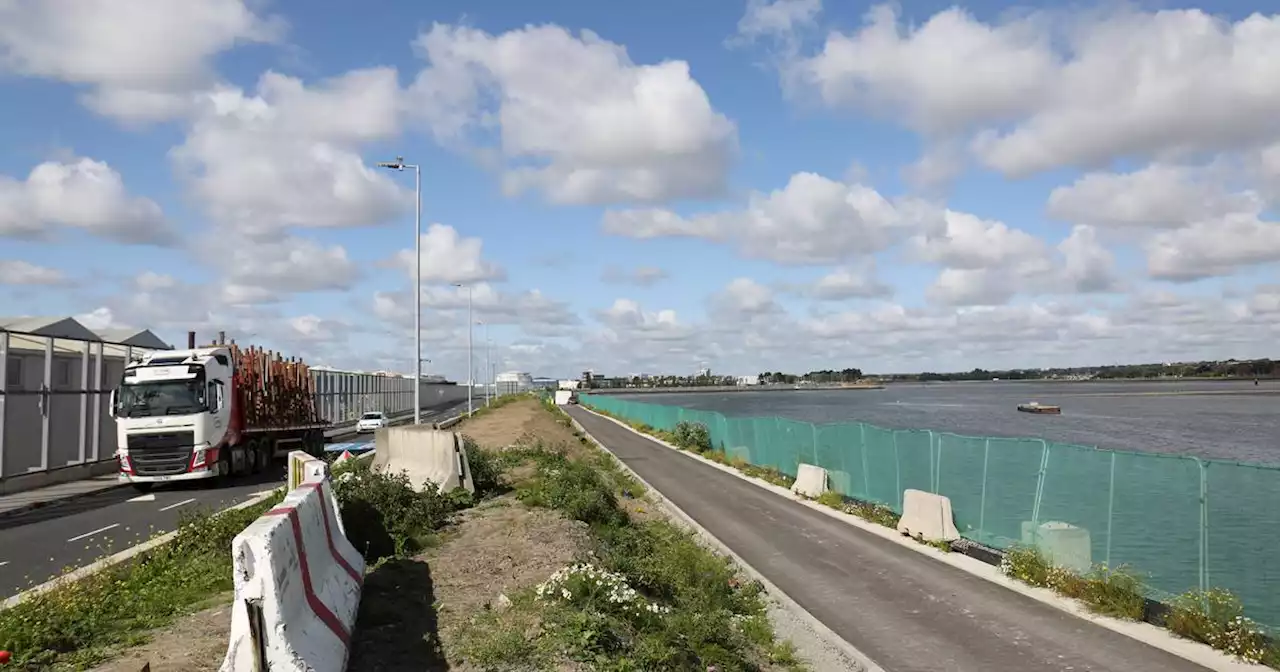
[
  {"x": 511, "y": 382},
  {"x": 753, "y": 379}
]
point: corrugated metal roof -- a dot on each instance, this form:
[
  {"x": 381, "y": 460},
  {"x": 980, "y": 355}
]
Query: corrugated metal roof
[{"x": 71, "y": 337}]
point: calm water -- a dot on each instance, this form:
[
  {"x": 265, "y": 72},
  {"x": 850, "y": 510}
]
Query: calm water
[{"x": 1225, "y": 420}]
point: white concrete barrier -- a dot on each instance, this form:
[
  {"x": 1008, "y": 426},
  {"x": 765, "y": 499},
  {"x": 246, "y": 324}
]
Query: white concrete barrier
[
  {"x": 427, "y": 455},
  {"x": 1062, "y": 544},
  {"x": 297, "y": 585},
  {"x": 811, "y": 481},
  {"x": 927, "y": 515}
]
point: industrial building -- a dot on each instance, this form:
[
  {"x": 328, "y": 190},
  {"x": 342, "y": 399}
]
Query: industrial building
[
  {"x": 512, "y": 382},
  {"x": 58, "y": 376}
]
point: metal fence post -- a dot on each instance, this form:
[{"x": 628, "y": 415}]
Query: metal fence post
[{"x": 1044, "y": 465}]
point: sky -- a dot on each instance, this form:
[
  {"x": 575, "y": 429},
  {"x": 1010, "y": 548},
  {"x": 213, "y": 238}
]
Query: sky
[{"x": 650, "y": 187}]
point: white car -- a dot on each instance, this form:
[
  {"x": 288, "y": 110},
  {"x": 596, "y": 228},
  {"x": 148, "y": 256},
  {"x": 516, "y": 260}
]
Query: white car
[{"x": 371, "y": 422}]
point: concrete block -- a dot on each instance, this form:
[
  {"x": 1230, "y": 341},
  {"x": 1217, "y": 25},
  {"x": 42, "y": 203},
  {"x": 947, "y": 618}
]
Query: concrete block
[
  {"x": 426, "y": 454},
  {"x": 297, "y": 587},
  {"x": 1063, "y": 544},
  {"x": 811, "y": 481},
  {"x": 927, "y": 515}
]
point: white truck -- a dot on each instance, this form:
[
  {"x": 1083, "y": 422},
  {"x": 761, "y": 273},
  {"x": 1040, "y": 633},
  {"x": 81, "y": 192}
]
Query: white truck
[{"x": 219, "y": 410}]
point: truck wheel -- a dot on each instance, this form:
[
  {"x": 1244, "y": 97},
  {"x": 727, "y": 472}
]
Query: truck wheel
[
  {"x": 263, "y": 456},
  {"x": 143, "y": 487}
]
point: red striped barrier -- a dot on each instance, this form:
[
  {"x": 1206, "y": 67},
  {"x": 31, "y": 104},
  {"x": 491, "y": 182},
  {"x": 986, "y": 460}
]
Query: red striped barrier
[{"x": 298, "y": 583}]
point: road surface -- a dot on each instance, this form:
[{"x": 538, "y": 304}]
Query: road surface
[
  {"x": 37, "y": 545},
  {"x": 902, "y": 609}
]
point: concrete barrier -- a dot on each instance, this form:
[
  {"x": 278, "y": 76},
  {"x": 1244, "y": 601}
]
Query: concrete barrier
[
  {"x": 297, "y": 585},
  {"x": 1062, "y": 544},
  {"x": 426, "y": 454},
  {"x": 927, "y": 515},
  {"x": 811, "y": 481}
]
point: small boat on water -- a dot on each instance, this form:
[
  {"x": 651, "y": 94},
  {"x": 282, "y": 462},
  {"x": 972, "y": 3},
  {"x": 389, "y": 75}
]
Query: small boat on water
[{"x": 1037, "y": 407}]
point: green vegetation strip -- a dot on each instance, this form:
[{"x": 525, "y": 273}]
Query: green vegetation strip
[
  {"x": 82, "y": 623},
  {"x": 1214, "y": 617},
  {"x": 650, "y": 597}
]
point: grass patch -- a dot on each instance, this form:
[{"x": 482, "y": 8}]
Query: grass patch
[
  {"x": 83, "y": 623},
  {"x": 649, "y": 597}
]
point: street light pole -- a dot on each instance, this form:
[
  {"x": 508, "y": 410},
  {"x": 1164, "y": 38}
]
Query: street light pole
[
  {"x": 488, "y": 359},
  {"x": 471, "y": 370},
  {"x": 399, "y": 164}
]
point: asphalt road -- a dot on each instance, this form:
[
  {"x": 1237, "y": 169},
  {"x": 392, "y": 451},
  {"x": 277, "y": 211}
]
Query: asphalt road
[
  {"x": 902, "y": 609},
  {"x": 37, "y": 545}
]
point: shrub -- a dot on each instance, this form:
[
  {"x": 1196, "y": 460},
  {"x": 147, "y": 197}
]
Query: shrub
[
  {"x": 1216, "y": 617},
  {"x": 693, "y": 436},
  {"x": 574, "y": 488},
  {"x": 486, "y": 469},
  {"x": 387, "y": 516}
]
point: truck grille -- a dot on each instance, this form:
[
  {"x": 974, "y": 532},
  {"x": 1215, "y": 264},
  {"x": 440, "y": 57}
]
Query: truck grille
[{"x": 163, "y": 454}]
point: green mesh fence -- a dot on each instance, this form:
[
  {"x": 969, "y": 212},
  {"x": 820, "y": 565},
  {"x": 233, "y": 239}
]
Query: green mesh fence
[{"x": 1182, "y": 523}]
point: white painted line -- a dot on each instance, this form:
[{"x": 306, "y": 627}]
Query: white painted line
[
  {"x": 90, "y": 534},
  {"x": 144, "y": 498},
  {"x": 2, "y": 564},
  {"x": 182, "y": 503}
]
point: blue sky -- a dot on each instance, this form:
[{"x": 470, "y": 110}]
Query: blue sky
[{"x": 980, "y": 185}]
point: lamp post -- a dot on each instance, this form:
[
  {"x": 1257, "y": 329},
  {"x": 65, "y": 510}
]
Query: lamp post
[
  {"x": 471, "y": 371},
  {"x": 487, "y": 357},
  {"x": 399, "y": 164}
]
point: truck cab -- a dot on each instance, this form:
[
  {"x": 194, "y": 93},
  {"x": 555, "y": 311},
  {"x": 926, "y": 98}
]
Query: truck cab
[{"x": 173, "y": 416}]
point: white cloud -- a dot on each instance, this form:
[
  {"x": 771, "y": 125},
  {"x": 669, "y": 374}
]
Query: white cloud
[
  {"x": 17, "y": 272},
  {"x": 1213, "y": 249},
  {"x": 777, "y": 18},
  {"x": 530, "y": 308},
  {"x": 1088, "y": 265},
  {"x": 850, "y": 282},
  {"x": 288, "y": 155},
  {"x": 1050, "y": 89},
  {"x": 812, "y": 220},
  {"x": 946, "y": 75},
  {"x": 83, "y": 194},
  {"x": 969, "y": 242},
  {"x": 1157, "y": 196},
  {"x": 140, "y": 60},
  {"x": 447, "y": 257},
  {"x": 625, "y": 318},
  {"x": 744, "y": 298},
  {"x": 266, "y": 271},
  {"x": 574, "y": 116}
]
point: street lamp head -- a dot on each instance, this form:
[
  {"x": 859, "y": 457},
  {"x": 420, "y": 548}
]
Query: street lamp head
[{"x": 398, "y": 164}]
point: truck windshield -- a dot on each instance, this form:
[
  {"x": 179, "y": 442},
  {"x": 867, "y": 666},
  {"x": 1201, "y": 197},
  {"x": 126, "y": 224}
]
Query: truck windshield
[{"x": 162, "y": 397}]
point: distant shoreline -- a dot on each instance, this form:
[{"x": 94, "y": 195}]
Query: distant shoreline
[
  {"x": 1184, "y": 379},
  {"x": 730, "y": 388}
]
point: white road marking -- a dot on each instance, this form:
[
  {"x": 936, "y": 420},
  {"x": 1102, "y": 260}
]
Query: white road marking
[
  {"x": 90, "y": 534},
  {"x": 2, "y": 564},
  {"x": 144, "y": 498},
  {"x": 182, "y": 503}
]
